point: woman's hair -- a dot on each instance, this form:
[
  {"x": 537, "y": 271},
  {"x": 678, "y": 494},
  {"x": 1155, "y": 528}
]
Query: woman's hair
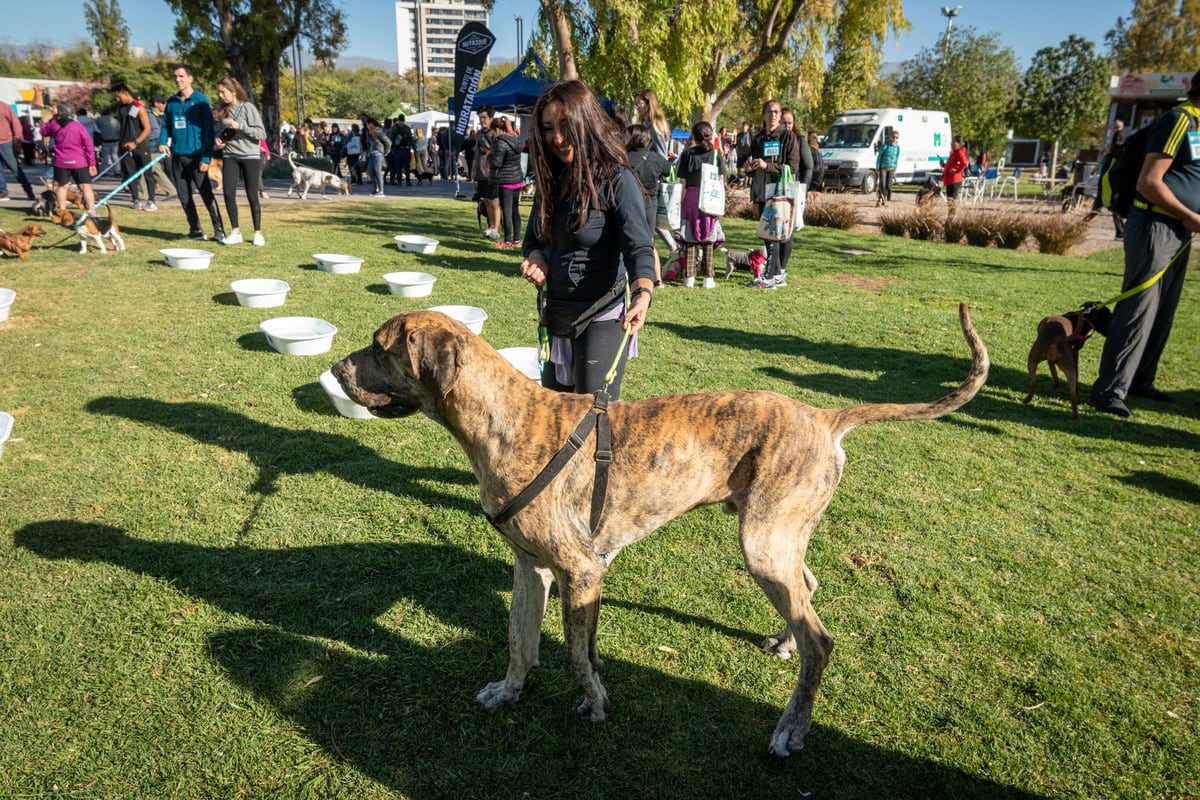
[
  {"x": 599, "y": 150},
  {"x": 702, "y": 135},
  {"x": 499, "y": 124},
  {"x": 654, "y": 112},
  {"x": 232, "y": 84},
  {"x": 637, "y": 137},
  {"x": 334, "y": 128}
]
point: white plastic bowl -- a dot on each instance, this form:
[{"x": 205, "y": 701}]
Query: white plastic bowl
[
  {"x": 410, "y": 284},
  {"x": 186, "y": 258},
  {"x": 299, "y": 336},
  {"x": 338, "y": 264},
  {"x": 260, "y": 292},
  {"x": 470, "y": 316},
  {"x": 525, "y": 359},
  {"x": 416, "y": 244},
  {"x": 6, "y": 424},
  {"x": 344, "y": 405},
  {"x": 6, "y": 300}
]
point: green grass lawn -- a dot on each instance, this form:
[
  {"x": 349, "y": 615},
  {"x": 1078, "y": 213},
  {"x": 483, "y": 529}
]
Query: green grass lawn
[{"x": 212, "y": 586}]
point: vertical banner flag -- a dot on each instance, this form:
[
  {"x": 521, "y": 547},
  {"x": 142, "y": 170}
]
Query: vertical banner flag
[{"x": 470, "y": 55}]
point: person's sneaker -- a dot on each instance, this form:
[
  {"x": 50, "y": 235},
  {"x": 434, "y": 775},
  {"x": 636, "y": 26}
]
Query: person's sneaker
[
  {"x": 762, "y": 282},
  {"x": 376, "y": 194},
  {"x": 149, "y": 207},
  {"x": 689, "y": 283},
  {"x": 781, "y": 279},
  {"x": 710, "y": 283},
  {"x": 1111, "y": 405},
  {"x": 1150, "y": 393},
  {"x": 232, "y": 238},
  {"x": 4, "y": 198},
  {"x": 492, "y": 233},
  {"x": 219, "y": 235},
  {"x": 138, "y": 207},
  {"x": 259, "y": 241},
  {"x": 197, "y": 236}
]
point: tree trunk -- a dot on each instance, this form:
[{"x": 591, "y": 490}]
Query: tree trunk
[
  {"x": 560, "y": 30},
  {"x": 270, "y": 102}
]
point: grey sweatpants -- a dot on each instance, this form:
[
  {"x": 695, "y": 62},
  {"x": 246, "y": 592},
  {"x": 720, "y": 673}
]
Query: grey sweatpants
[{"x": 1141, "y": 324}]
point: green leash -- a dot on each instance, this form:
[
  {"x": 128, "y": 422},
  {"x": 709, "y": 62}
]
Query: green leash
[
  {"x": 544, "y": 347},
  {"x": 1153, "y": 280}
]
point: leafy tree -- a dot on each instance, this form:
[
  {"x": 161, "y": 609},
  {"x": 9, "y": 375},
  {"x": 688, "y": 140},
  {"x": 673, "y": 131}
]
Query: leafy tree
[
  {"x": 1063, "y": 95},
  {"x": 1159, "y": 36},
  {"x": 857, "y": 47},
  {"x": 973, "y": 78},
  {"x": 109, "y": 31},
  {"x": 254, "y": 38}
]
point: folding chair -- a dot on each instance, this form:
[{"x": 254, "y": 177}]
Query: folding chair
[{"x": 1010, "y": 180}]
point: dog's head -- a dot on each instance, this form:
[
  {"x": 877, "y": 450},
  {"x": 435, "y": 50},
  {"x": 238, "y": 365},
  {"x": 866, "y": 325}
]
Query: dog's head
[
  {"x": 33, "y": 230},
  {"x": 333, "y": 180},
  {"x": 63, "y": 217},
  {"x": 1099, "y": 316},
  {"x": 412, "y": 364}
]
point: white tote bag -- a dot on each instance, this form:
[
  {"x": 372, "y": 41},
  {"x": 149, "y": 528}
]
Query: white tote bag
[
  {"x": 712, "y": 189},
  {"x": 670, "y": 202},
  {"x": 793, "y": 190}
]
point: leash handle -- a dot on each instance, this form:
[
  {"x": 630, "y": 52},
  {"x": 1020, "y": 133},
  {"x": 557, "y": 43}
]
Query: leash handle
[{"x": 1153, "y": 279}]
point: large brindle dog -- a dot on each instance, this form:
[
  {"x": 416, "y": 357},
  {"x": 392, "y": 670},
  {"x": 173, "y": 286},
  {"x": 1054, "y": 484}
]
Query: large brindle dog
[{"x": 769, "y": 459}]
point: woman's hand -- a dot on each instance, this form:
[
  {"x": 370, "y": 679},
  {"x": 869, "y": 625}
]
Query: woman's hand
[
  {"x": 635, "y": 315},
  {"x": 232, "y": 123},
  {"x": 534, "y": 268}
]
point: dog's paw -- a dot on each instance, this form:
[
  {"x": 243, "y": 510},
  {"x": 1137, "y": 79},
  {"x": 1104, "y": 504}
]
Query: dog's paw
[
  {"x": 780, "y": 645},
  {"x": 590, "y": 710},
  {"x": 497, "y": 694}
]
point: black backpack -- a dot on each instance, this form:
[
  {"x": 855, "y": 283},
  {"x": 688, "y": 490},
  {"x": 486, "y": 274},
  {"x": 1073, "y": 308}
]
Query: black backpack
[{"x": 1118, "y": 184}]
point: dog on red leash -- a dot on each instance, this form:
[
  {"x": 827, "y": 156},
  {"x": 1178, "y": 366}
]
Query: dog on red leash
[
  {"x": 20, "y": 243},
  {"x": 1059, "y": 340},
  {"x": 92, "y": 228}
]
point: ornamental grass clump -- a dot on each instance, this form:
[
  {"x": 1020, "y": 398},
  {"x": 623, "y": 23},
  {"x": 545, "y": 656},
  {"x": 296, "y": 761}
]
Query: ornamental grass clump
[
  {"x": 1058, "y": 233},
  {"x": 832, "y": 214}
]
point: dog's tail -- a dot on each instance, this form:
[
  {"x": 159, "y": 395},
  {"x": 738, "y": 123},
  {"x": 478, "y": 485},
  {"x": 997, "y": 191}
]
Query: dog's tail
[
  {"x": 843, "y": 419},
  {"x": 290, "y": 161}
]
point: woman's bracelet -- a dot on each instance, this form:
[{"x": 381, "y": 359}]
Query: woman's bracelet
[{"x": 641, "y": 290}]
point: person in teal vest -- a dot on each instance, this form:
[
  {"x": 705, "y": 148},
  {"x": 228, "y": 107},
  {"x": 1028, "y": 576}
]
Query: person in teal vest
[{"x": 889, "y": 157}]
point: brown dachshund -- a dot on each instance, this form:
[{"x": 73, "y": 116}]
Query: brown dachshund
[
  {"x": 18, "y": 244},
  {"x": 1059, "y": 340}
]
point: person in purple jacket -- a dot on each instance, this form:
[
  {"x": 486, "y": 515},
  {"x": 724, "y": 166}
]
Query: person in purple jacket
[{"x": 74, "y": 158}]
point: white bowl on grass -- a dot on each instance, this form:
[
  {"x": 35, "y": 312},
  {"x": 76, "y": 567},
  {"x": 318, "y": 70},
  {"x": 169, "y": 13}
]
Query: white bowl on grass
[
  {"x": 337, "y": 263},
  {"x": 410, "y": 284},
  {"x": 470, "y": 316},
  {"x": 6, "y": 426},
  {"x": 186, "y": 257},
  {"x": 344, "y": 405},
  {"x": 299, "y": 336},
  {"x": 260, "y": 292},
  {"x": 525, "y": 359},
  {"x": 416, "y": 244},
  {"x": 7, "y": 296}
]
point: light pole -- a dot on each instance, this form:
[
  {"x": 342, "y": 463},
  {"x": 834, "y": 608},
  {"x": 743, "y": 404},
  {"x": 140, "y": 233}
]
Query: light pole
[
  {"x": 520, "y": 36},
  {"x": 949, "y": 13}
]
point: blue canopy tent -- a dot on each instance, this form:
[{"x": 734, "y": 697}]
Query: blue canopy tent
[{"x": 518, "y": 90}]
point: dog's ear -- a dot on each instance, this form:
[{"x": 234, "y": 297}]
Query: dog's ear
[{"x": 435, "y": 357}]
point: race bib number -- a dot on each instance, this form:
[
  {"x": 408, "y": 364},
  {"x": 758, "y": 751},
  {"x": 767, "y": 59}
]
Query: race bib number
[
  {"x": 771, "y": 149},
  {"x": 1194, "y": 144},
  {"x": 180, "y": 124},
  {"x": 133, "y": 111}
]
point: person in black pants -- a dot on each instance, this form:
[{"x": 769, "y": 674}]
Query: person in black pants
[
  {"x": 241, "y": 129},
  {"x": 187, "y": 134},
  {"x": 586, "y": 241},
  {"x": 505, "y": 163}
]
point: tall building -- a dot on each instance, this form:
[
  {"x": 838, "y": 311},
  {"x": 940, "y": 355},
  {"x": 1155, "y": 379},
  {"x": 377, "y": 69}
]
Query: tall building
[{"x": 426, "y": 31}]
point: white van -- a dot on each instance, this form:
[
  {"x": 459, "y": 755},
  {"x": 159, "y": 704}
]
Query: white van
[{"x": 851, "y": 145}]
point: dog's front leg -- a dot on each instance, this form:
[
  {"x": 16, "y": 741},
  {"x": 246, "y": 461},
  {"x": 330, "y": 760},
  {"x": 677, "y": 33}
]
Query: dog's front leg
[
  {"x": 581, "y": 616},
  {"x": 531, "y": 587}
]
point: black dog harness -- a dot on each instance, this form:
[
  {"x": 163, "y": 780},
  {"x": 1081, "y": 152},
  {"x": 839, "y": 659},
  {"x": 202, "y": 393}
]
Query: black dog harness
[{"x": 597, "y": 419}]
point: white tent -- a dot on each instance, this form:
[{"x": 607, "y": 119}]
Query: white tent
[{"x": 426, "y": 120}]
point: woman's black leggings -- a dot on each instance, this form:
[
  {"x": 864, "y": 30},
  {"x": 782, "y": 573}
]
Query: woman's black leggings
[
  {"x": 510, "y": 212},
  {"x": 250, "y": 170},
  {"x": 593, "y": 352}
]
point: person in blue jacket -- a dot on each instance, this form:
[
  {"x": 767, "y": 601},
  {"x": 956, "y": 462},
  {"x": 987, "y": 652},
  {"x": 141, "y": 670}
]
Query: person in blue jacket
[
  {"x": 187, "y": 134},
  {"x": 889, "y": 157}
]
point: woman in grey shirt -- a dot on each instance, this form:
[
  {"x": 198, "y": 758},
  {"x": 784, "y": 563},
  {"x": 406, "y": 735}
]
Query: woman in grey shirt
[{"x": 239, "y": 130}]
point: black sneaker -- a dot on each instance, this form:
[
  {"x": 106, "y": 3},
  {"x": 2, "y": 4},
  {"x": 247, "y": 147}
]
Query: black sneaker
[
  {"x": 219, "y": 235},
  {"x": 197, "y": 236},
  {"x": 1111, "y": 405},
  {"x": 1150, "y": 393}
]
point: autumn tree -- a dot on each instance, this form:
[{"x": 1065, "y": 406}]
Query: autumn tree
[
  {"x": 974, "y": 78},
  {"x": 254, "y": 37},
  {"x": 109, "y": 31},
  {"x": 1159, "y": 36},
  {"x": 860, "y": 31}
]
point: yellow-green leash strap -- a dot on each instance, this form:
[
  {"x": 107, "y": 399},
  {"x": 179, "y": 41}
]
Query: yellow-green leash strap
[{"x": 1153, "y": 279}]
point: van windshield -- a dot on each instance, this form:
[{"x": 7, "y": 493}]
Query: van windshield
[{"x": 850, "y": 136}]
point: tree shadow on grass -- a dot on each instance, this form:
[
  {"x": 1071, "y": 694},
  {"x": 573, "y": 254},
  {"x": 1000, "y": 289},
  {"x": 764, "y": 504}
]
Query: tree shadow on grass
[
  {"x": 277, "y": 451},
  {"x": 401, "y": 709}
]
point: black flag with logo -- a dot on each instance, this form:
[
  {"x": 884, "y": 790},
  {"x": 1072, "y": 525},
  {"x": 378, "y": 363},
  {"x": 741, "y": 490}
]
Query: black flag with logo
[{"x": 470, "y": 55}]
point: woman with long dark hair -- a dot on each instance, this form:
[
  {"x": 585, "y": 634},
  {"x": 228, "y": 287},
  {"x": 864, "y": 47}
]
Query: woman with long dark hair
[
  {"x": 239, "y": 130},
  {"x": 587, "y": 243},
  {"x": 505, "y": 163},
  {"x": 701, "y": 233}
]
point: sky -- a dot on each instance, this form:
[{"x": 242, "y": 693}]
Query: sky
[{"x": 1026, "y": 26}]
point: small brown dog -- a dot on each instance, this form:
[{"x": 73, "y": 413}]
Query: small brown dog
[
  {"x": 216, "y": 170},
  {"x": 92, "y": 228},
  {"x": 18, "y": 244},
  {"x": 1059, "y": 340}
]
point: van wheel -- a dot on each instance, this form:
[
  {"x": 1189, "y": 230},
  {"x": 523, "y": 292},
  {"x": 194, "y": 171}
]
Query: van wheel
[{"x": 869, "y": 181}]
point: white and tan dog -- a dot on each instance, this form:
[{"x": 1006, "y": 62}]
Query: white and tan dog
[
  {"x": 92, "y": 229},
  {"x": 305, "y": 178},
  {"x": 769, "y": 459}
]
